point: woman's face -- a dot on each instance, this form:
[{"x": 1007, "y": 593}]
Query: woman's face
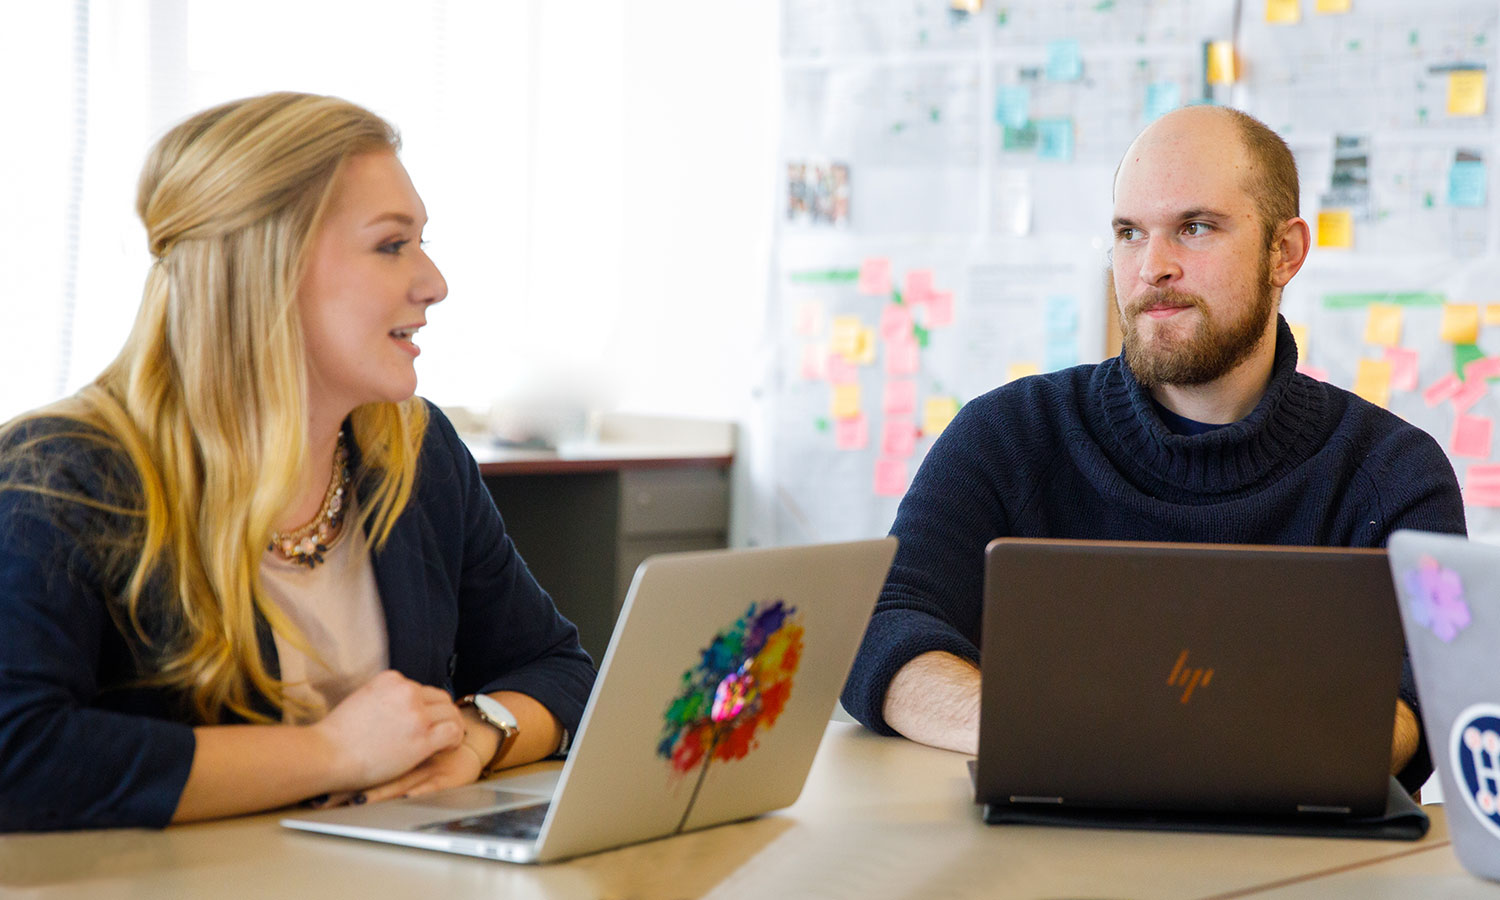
[{"x": 367, "y": 287}]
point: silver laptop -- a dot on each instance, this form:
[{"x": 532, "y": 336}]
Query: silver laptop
[
  {"x": 1153, "y": 680},
  {"x": 1450, "y": 606},
  {"x": 711, "y": 700}
]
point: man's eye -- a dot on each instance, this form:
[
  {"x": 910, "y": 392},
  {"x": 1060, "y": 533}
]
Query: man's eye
[
  {"x": 1127, "y": 234},
  {"x": 392, "y": 247},
  {"x": 1197, "y": 229}
]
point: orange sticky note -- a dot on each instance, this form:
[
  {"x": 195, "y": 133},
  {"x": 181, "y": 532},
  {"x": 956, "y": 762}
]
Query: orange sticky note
[
  {"x": 1471, "y": 436},
  {"x": 1373, "y": 381},
  {"x": 845, "y": 401},
  {"x": 1283, "y": 12},
  {"x": 1221, "y": 68},
  {"x": 1021, "y": 370},
  {"x": 1302, "y": 338},
  {"x": 1326, "y": 7},
  {"x": 937, "y": 412},
  {"x": 1383, "y": 324},
  {"x": 864, "y": 347},
  {"x": 1335, "y": 228},
  {"x": 845, "y": 337},
  {"x": 1460, "y": 323},
  {"x": 1492, "y": 314},
  {"x": 1466, "y": 88},
  {"x": 890, "y": 477}
]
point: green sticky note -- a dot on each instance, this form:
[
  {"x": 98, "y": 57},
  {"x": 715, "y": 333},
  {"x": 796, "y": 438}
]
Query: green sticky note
[{"x": 1463, "y": 354}]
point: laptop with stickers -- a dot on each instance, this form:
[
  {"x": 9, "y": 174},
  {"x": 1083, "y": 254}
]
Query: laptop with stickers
[
  {"x": 1449, "y": 590},
  {"x": 711, "y": 700},
  {"x": 1190, "y": 687}
]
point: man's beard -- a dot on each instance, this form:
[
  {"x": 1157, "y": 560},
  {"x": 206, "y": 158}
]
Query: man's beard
[{"x": 1211, "y": 351}]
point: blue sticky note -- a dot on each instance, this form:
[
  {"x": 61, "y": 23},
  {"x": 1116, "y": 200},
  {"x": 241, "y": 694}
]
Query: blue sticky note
[
  {"x": 1467, "y": 183},
  {"x": 1161, "y": 98},
  {"x": 1064, "y": 62},
  {"x": 1062, "y": 316},
  {"x": 1056, "y": 139},
  {"x": 1013, "y": 105},
  {"x": 1062, "y": 351}
]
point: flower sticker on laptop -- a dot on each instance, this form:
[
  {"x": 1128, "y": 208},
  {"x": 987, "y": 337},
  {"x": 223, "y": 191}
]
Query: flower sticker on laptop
[
  {"x": 740, "y": 685},
  {"x": 1436, "y": 599}
]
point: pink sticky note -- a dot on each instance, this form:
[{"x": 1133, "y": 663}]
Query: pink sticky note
[
  {"x": 1480, "y": 476},
  {"x": 852, "y": 434},
  {"x": 1468, "y": 395},
  {"x": 1403, "y": 368},
  {"x": 900, "y": 439},
  {"x": 875, "y": 276},
  {"x": 890, "y": 477},
  {"x": 812, "y": 362},
  {"x": 900, "y": 398},
  {"x": 1489, "y": 496},
  {"x": 1471, "y": 436},
  {"x": 839, "y": 370},
  {"x": 902, "y": 357},
  {"x": 1313, "y": 372},
  {"x": 940, "y": 309},
  {"x": 895, "y": 322},
  {"x": 809, "y": 318},
  {"x": 1485, "y": 367},
  {"x": 918, "y": 285},
  {"x": 1442, "y": 389}
]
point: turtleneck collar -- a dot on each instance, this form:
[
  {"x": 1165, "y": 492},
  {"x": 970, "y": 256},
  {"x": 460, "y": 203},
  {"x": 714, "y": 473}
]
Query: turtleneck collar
[{"x": 1282, "y": 431}]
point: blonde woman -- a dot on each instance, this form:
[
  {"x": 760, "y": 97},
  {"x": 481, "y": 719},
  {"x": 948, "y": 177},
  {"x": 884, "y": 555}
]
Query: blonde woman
[{"x": 246, "y": 567}]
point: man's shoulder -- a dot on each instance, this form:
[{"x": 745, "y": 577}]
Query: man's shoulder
[
  {"x": 1048, "y": 395},
  {"x": 1376, "y": 434}
]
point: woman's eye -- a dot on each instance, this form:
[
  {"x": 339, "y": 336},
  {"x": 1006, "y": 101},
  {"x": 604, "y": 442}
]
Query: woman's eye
[{"x": 393, "y": 247}]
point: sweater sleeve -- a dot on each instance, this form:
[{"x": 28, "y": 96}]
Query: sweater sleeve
[
  {"x": 933, "y": 596},
  {"x": 510, "y": 636},
  {"x": 65, "y": 761},
  {"x": 1415, "y": 488}
]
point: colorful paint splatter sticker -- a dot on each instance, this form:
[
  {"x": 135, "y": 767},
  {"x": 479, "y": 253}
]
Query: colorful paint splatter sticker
[
  {"x": 1474, "y": 751},
  {"x": 1435, "y": 596},
  {"x": 740, "y": 686}
]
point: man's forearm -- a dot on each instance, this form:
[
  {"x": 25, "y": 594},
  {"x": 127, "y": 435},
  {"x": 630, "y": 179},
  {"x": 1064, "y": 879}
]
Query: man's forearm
[
  {"x": 934, "y": 700},
  {"x": 1404, "y": 740}
]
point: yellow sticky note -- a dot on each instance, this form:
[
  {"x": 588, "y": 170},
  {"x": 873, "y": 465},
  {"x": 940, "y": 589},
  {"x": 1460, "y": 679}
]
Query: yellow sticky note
[
  {"x": 1283, "y": 12},
  {"x": 844, "y": 339},
  {"x": 1301, "y": 338},
  {"x": 1333, "y": 6},
  {"x": 1021, "y": 370},
  {"x": 1221, "y": 68},
  {"x": 1373, "y": 381},
  {"x": 1335, "y": 228},
  {"x": 937, "y": 412},
  {"x": 1492, "y": 314},
  {"x": 1466, "y": 92},
  {"x": 1460, "y": 323},
  {"x": 864, "y": 347},
  {"x": 845, "y": 401},
  {"x": 1383, "y": 325}
]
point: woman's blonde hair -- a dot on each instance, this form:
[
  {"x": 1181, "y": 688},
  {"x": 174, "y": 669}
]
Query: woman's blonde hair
[{"x": 208, "y": 399}]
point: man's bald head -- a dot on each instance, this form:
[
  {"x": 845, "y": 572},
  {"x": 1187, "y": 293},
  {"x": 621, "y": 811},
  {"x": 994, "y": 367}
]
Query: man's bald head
[{"x": 1271, "y": 173}]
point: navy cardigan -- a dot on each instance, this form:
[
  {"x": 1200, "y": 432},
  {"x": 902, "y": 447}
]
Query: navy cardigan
[{"x": 84, "y": 746}]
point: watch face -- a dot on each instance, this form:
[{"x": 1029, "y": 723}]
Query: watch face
[{"x": 495, "y": 711}]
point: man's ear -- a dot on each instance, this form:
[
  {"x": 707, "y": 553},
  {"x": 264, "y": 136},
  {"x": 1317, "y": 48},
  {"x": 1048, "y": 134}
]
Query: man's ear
[{"x": 1289, "y": 250}]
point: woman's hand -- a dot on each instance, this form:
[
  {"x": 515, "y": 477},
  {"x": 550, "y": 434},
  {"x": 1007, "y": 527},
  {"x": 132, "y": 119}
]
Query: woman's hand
[{"x": 388, "y": 728}]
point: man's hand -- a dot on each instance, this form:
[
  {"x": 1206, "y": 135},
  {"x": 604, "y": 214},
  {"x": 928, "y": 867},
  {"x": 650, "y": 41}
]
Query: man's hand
[
  {"x": 934, "y": 700},
  {"x": 1407, "y": 736}
]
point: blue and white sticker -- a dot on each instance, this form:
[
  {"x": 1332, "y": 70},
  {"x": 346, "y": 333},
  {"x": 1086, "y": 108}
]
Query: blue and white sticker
[{"x": 1474, "y": 750}]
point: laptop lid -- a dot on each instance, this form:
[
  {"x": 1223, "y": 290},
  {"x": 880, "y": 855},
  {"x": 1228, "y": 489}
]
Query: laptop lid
[
  {"x": 1187, "y": 678},
  {"x": 1449, "y": 588},
  {"x": 711, "y": 701}
]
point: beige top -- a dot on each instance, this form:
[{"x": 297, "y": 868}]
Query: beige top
[{"x": 337, "y": 607}]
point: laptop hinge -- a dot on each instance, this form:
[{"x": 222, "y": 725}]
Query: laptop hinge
[
  {"x": 1325, "y": 810},
  {"x": 1056, "y": 801}
]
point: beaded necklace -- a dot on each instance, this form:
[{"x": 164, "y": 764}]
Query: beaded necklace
[{"x": 306, "y": 545}]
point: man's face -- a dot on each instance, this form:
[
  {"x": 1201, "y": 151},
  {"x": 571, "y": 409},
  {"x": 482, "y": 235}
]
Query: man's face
[{"x": 1191, "y": 265}]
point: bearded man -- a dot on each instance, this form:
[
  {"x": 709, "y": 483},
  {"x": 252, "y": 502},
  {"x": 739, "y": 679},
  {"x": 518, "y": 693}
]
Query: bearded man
[{"x": 1201, "y": 430}]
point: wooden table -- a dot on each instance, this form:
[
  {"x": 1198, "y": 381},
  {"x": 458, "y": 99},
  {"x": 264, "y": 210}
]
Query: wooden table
[{"x": 880, "y": 817}]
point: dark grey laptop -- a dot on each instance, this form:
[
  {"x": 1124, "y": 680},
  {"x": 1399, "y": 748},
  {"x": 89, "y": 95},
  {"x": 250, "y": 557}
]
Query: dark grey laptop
[{"x": 1188, "y": 685}]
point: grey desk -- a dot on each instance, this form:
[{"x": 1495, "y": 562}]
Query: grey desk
[
  {"x": 880, "y": 818},
  {"x": 584, "y": 524}
]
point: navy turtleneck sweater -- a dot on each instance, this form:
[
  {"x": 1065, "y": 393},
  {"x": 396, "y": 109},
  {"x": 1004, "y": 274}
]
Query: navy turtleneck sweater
[{"x": 1082, "y": 453}]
